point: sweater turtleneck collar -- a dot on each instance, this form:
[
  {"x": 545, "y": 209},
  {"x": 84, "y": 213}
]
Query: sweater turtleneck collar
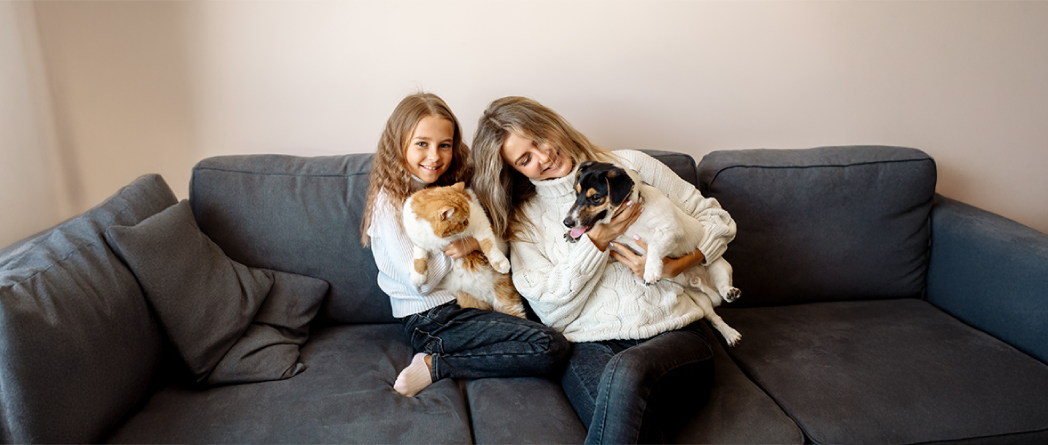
[{"x": 555, "y": 188}]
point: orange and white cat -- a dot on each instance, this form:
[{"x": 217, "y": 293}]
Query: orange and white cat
[{"x": 437, "y": 216}]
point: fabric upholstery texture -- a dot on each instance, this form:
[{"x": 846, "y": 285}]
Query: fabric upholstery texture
[
  {"x": 78, "y": 345},
  {"x": 269, "y": 349},
  {"x": 522, "y": 410},
  {"x": 296, "y": 214},
  {"x": 346, "y": 396},
  {"x": 206, "y": 302},
  {"x": 889, "y": 371},
  {"x": 738, "y": 411},
  {"x": 302, "y": 215},
  {"x": 824, "y": 223},
  {"x": 992, "y": 273}
]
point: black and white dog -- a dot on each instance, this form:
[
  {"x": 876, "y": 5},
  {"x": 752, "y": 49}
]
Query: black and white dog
[{"x": 602, "y": 188}]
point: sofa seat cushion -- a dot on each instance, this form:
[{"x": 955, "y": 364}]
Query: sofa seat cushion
[
  {"x": 522, "y": 410},
  {"x": 508, "y": 411},
  {"x": 896, "y": 371},
  {"x": 737, "y": 410},
  {"x": 345, "y": 396}
]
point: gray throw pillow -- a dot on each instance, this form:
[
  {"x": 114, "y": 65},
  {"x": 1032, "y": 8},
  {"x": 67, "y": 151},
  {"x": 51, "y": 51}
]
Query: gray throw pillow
[
  {"x": 269, "y": 349},
  {"x": 206, "y": 302}
]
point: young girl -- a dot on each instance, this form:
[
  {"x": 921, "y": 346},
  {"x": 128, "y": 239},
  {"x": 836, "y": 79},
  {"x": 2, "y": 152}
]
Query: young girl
[
  {"x": 641, "y": 361},
  {"x": 422, "y": 146}
]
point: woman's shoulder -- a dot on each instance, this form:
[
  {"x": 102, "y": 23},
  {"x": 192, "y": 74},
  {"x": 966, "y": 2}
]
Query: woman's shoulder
[{"x": 633, "y": 158}]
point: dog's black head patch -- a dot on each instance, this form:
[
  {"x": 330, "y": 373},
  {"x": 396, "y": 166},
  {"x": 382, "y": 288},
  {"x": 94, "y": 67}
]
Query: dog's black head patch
[{"x": 600, "y": 188}]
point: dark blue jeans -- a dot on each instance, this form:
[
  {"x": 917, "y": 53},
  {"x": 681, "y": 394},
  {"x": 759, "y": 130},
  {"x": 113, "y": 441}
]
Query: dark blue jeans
[
  {"x": 471, "y": 343},
  {"x": 639, "y": 391}
]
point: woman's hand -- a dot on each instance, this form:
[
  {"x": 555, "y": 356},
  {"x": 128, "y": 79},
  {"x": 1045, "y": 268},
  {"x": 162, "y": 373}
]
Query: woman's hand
[
  {"x": 671, "y": 267},
  {"x": 461, "y": 248},
  {"x": 602, "y": 234}
]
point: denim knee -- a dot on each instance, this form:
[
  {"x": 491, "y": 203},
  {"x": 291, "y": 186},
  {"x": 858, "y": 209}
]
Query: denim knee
[{"x": 559, "y": 351}]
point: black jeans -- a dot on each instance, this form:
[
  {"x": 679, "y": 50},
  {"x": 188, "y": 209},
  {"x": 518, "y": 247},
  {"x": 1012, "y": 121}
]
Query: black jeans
[
  {"x": 471, "y": 343},
  {"x": 633, "y": 391}
]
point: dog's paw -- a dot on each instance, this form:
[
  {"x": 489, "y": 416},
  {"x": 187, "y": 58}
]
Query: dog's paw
[
  {"x": 567, "y": 236},
  {"x": 652, "y": 276},
  {"x": 731, "y": 336},
  {"x": 732, "y": 294}
]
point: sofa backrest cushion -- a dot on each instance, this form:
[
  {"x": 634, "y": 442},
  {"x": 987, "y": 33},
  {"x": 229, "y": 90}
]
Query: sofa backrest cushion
[
  {"x": 78, "y": 344},
  {"x": 825, "y": 224},
  {"x": 299, "y": 215},
  {"x": 302, "y": 215}
]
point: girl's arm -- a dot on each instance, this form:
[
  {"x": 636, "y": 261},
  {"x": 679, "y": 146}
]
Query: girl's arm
[
  {"x": 557, "y": 288},
  {"x": 720, "y": 227}
]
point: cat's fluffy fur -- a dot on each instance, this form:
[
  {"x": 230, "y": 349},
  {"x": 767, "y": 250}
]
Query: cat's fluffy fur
[{"x": 437, "y": 216}]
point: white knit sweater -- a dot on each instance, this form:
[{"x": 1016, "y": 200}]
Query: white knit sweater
[{"x": 584, "y": 293}]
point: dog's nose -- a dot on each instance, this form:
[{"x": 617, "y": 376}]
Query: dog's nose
[{"x": 569, "y": 222}]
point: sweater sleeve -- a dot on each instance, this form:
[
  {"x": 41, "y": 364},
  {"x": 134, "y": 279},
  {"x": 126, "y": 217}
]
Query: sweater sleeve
[
  {"x": 720, "y": 227},
  {"x": 557, "y": 288}
]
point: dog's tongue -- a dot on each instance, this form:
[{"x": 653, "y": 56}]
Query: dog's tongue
[{"x": 578, "y": 231}]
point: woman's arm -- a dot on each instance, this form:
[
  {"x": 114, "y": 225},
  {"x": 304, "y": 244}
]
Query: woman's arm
[
  {"x": 557, "y": 288},
  {"x": 720, "y": 227},
  {"x": 671, "y": 266}
]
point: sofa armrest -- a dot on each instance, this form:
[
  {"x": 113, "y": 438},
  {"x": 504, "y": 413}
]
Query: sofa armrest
[{"x": 990, "y": 272}]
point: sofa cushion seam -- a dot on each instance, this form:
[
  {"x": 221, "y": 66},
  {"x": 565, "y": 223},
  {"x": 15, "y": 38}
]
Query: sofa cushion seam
[
  {"x": 787, "y": 167},
  {"x": 311, "y": 175}
]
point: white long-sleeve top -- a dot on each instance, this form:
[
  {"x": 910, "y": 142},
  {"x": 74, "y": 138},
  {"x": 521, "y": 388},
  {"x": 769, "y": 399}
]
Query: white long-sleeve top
[
  {"x": 587, "y": 295},
  {"x": 393, "y": 255}
]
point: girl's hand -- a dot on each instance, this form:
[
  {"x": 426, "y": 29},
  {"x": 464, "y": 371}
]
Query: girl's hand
[
  {"x": 461, "y": 248},
  {"x": 671, "y": 266},
  {"x": 602, "y": 234}
]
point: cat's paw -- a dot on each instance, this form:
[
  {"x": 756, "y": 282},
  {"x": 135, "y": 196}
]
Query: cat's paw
[
  {"x": 501, "y": 265},
  {"x": 417, "y": 279}
]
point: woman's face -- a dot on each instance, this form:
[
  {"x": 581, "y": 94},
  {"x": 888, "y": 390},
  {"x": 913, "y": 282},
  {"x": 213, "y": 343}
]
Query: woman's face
[
  {"x": 536, "y": 161},
  {"x": 429, "y": 150}
]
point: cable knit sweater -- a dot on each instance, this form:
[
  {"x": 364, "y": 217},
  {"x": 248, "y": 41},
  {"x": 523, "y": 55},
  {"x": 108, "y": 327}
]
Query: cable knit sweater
[{"x": 584, "y": 293}]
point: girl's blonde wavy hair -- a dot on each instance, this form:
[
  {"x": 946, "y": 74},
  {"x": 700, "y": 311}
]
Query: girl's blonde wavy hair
[
  {"x": 500, "y": 187},
  {"x": 389, "y": 169}
]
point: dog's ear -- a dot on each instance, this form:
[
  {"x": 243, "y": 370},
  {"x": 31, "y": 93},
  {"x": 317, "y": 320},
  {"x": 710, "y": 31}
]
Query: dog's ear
[{"x": 619, "y": 185}]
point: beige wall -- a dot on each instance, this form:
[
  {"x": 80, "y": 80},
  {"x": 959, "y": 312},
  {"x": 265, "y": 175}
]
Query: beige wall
[
  {"x": 29, "y": 179},
  {"x": 154, "y": 86}
]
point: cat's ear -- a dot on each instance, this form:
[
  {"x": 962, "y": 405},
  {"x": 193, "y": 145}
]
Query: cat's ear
[
  {"x": 459, "y": 186},
  {"x": 446, "y": 213}
]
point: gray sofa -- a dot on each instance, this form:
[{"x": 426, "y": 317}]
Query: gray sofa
[{"x": 873, "y": 311}]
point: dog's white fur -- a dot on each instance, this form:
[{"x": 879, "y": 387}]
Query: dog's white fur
[
  {"x": 669, "y": 232},
  {"x": 483, "y": 287}
]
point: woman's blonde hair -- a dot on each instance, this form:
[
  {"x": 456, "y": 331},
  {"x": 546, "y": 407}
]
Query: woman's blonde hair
[
  {"x": 389, "y": 169},
  {"x": 500, "y": 187}
]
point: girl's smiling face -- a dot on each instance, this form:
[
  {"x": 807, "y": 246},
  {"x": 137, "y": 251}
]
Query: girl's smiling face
[
  {"x": 429, "y": 150},
  {"x": 533, "y": 160}
]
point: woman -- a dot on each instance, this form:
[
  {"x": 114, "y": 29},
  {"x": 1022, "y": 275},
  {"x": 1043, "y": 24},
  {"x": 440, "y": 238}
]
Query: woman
[{"x": 641, "y": 361}]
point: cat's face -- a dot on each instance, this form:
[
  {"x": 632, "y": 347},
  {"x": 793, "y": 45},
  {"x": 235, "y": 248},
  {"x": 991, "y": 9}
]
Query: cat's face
[{"x": 446, "y": 209}]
